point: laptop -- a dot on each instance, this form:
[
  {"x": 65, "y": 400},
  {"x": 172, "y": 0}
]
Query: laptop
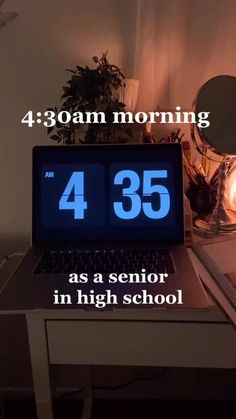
[{"x": 114, "y": 212}]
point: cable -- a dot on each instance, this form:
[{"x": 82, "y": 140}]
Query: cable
[
  {"x": 8, "y": 257},
  {"x": 117, "y": 387},
  {"x": 2, "y": 263},
  {"x": 71, "y": 393},
  {"x": 131, "y": 382}
]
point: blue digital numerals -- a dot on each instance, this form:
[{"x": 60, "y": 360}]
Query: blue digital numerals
[
  {"x": 149, "y": 189},
  {"x": 73, "y": 196}
]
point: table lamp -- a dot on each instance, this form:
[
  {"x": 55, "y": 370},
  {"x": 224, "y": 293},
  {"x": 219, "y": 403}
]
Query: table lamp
[{"x": 217, "y": 143}]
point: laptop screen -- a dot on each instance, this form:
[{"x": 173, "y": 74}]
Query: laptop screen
[{"x": 107, "y": 193}]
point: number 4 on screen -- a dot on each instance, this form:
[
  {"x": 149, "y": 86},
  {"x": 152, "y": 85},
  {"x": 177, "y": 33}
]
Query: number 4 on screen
[{"x": 75, "y": 189}]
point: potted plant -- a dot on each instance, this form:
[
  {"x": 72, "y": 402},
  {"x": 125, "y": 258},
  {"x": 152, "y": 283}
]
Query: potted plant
[{"x": 92, "y": 90}]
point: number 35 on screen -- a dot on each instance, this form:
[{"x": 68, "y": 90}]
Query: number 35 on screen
[
  {"x": 148, "y": 190},
  {"x": 75, "y": 190}
]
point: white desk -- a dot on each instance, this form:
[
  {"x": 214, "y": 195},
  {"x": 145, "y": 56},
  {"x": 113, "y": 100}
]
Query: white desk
[
  {"x": 125, "y": 337},
  {"x": 154, "y": 337}
]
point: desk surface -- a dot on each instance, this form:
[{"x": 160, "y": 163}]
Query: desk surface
[{"x": 212, "y": 314}]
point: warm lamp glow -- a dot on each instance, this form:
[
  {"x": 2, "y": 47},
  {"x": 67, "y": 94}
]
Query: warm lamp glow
[
  {"x": 232, "y": 192},
  {"x": 129, "y": 94}
]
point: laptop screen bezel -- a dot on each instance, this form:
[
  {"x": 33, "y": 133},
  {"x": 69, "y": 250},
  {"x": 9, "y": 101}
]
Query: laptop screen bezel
[{"x": 60, "y": 244}]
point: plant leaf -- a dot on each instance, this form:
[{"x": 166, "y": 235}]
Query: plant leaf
[
  {"x": 55, "y": 138},
  {"x": 50, "y": 129}
]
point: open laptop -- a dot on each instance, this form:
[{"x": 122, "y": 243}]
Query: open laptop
[{"x": 106, "y": 209}]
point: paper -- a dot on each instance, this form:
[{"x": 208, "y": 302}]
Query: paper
[
  {"x": 223, "y": 253},
  {"x": 213, "y": 287}
]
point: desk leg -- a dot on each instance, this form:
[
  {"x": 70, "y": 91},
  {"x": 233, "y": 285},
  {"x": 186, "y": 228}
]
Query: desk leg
[
  {"x": 40, "y": 367},
  {"x": 88, "y": 395},
  {"x": 87, "y": 408}
]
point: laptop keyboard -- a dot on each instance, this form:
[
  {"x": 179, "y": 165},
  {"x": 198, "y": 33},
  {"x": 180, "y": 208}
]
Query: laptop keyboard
[{"x": 102, "y": 261}]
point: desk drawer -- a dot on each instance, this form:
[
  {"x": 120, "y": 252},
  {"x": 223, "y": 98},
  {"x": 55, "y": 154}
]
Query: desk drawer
[{"x": 141, "y": 343}]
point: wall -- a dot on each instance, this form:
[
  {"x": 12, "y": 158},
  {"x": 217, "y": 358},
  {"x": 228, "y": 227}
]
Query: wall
[
  {"x": 35, "y": 50},
  {"x": 181, "y": 45}
]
